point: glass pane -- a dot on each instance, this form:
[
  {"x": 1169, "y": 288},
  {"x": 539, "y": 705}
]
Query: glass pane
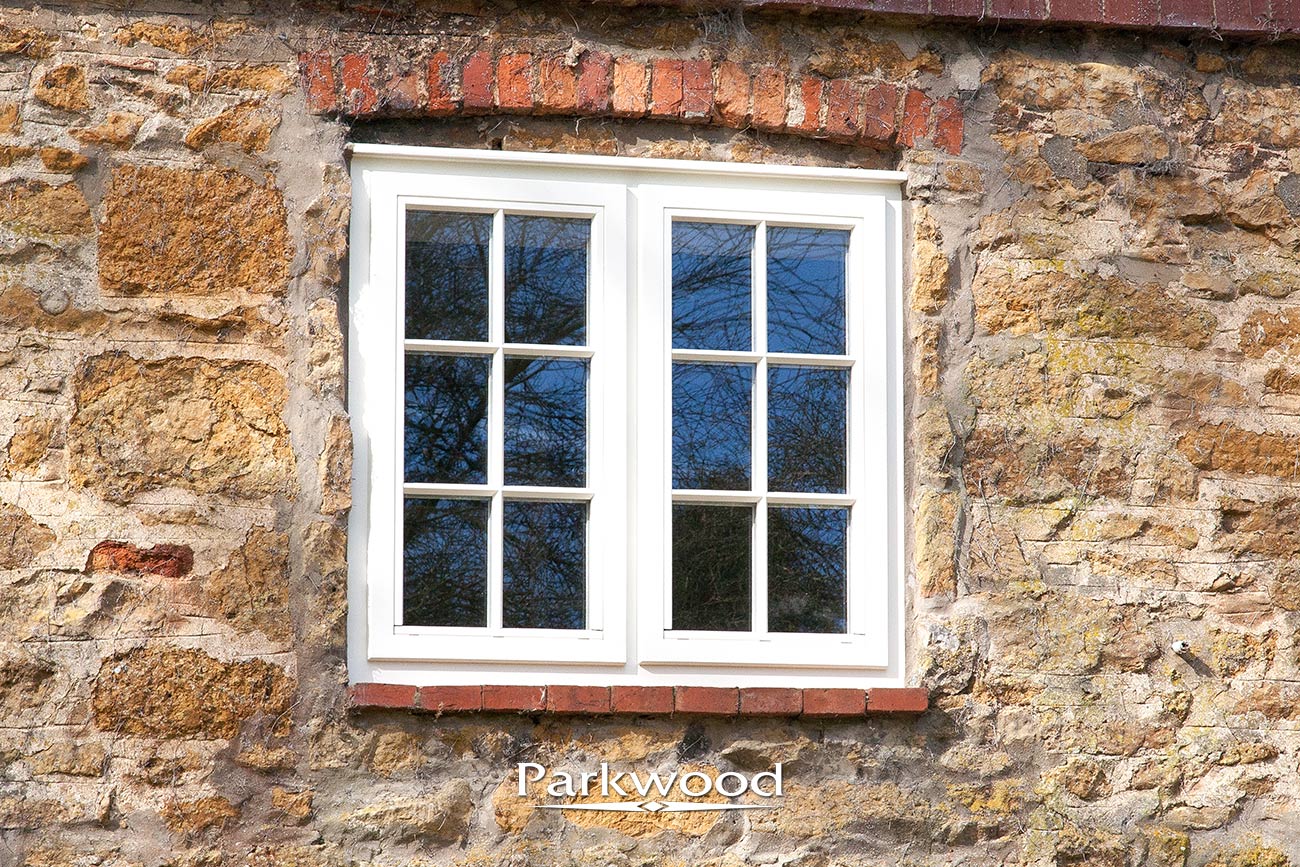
[
  {"x": 546, "y": 421},
  {"x": 807, "y": 562},
  {"x": 711, "y": 567},
  {"x": 712, "y": 275},
  {"x": 807, "y": 412},
  {"x": 805, "y": 289},
  {"x": 447, "y": 275},
  {"x": 545, "y": 565},
  {"x": 546, "y": 279},
  {"x": 711, "y": 425},
  {"x": 446, "y": 418},
  {"x": 444, "y": 562}
]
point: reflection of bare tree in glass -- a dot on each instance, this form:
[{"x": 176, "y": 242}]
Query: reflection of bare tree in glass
[
  {"x": 711, "y": 426},
  {"x": 806, "y": 289},
  {"x": 446, "y": 418},
  {"x": 807, "y": 431},
  {"x": 546, "y": 280},
  {"x": 544, "y": 560},
  {"x": 807, "y": 414},
  {"x": 546, "y": 421},
  {"x": 444, "y": 562},
  {"x": 711, "y": 567},
  {"x": 712, "y": 275},
  {"x": 447, "y": 275},
  {"x": 806, "y": 578},
  {"x": 544, "y": 428}
]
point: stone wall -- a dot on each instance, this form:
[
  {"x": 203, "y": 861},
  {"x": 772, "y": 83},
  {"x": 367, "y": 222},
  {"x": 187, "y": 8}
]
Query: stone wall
[{"x": 1103, "y": 438}]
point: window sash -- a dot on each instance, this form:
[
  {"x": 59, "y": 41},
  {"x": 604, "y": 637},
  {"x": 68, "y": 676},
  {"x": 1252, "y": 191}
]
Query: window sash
[
  {"x": 381, "y": 344},
  {"x": 866, "y": 644}
]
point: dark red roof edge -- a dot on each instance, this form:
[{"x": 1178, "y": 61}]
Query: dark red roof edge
[{"x": 1258, "y": 18}]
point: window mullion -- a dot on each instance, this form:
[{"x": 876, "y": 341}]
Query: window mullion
[
  {"x": 759, "y": 446},
  {"x": 496, "y": 422}
]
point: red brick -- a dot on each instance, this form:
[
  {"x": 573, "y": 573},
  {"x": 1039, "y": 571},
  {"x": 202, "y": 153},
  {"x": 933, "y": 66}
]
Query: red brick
[
  {"x": 957, "y": 8},
  {"x": 731, "y": 95},
  {"x": 577, "y": 699},
  {"x": 169, "y": 561},
  {"x": 630, "y": 80},
  {"x": 1145, "y": 13},
  {"x": 769, "y": 99},
  {"x": 1185, "y": 13},
  {"x": 359, "y": 96},
  {"x": 557, "y": 86},
  {"x": 317, "y": 72},
  {"x": 666, "y": 88},
  {"x": 641, "y": 699},
  {"x": 1241, "y": 16},
  {"x": 843, "y": 110},
  {"x": 1018, "y": 10},
  {"x": 916, "y": 118},
  {"x": 442, "y": 96},
  {"x": 1286, "y": 16},
  {"x": 834, "y": 702},
  {"x": 770, "y": 701},
  {"x": 810, "y": 101},
  {"x": 719, "y": 701},
  {"x": 476, "y": 82},
  {"x": 516, "y": 698},
  {"x": 382, "y": 695},
  {"x": 697, "y": 89},
  {"x": 595, "y": 70},
  {"x": 879, "y": 114},
  {"x": 911, "y": 699},
  {"x": 898, "y": 7},
  {"x": 949, "y": 125},
  {"x": 1083, "y": 11},
  {"x": 451, "y": 699},
  {"x": 515, "y": 81},
  {"x": 401, "y": 93}
]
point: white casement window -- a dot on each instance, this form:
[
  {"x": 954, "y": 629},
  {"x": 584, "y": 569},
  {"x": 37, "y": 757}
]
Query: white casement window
[{"x": 623, "y": 421}]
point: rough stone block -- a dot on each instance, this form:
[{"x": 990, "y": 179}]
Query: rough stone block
[
  {"x": 206, "y": 426},
  {"x": 172, "y": 692},
  {"x": 192, "y": 232}
]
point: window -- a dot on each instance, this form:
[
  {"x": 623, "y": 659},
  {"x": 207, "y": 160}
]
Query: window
[{"x": 623, "y": 421}]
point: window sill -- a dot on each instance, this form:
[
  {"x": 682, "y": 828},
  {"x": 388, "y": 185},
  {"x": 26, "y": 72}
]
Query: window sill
[{"x": 643, "y": 700}]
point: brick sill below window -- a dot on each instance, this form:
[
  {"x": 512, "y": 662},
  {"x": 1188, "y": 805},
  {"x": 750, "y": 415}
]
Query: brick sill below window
[{"x": 641, "y": 700}]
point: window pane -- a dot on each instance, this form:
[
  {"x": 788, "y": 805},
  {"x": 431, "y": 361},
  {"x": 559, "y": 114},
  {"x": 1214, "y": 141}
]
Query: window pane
[
  {"x": 712, "y": 275},
  {"x": 447, "y": 275},
  {"x": 546, "y": 279},
  {"x": 546, "y": 421},
  {"x": 807, "y": 411},
  {"x": 444, "y": 562},
  {"x": 807, "y": 557},
  {"x": 711, "y": 425},
  {"x": 545, "y": 565},
  {"x": 711, "y": 567},
  {"x": 446, "y": 418},
  {"x": 805, "y": 289}
]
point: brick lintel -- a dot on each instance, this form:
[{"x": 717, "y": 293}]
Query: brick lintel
[{"x": 643, "y": 700}]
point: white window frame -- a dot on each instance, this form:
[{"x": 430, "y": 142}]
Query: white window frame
[{"x": 632, "y": 203}]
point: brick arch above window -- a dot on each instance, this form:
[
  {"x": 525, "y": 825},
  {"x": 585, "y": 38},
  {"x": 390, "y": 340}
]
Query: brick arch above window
[{"x": 597, "y": 84}]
